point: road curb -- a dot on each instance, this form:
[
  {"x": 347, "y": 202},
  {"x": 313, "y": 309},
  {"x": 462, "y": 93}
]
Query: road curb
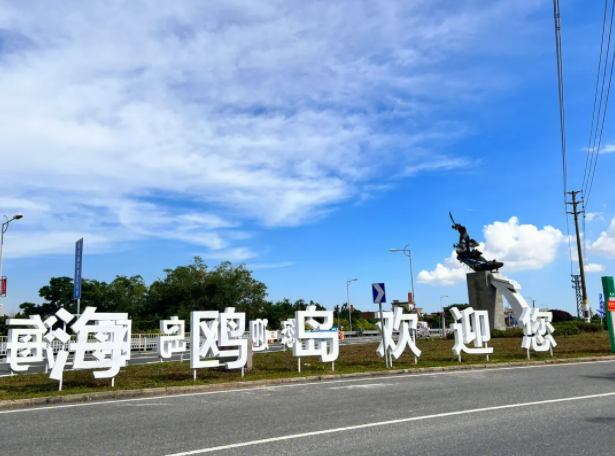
[{"x": 176, "y": 390}]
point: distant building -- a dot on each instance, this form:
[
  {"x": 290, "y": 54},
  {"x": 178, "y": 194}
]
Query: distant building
[{"x": 368, "y": 315}]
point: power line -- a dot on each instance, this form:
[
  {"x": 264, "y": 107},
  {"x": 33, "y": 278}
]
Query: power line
[
  {"x": 562, "y": 114},
  {"x": 596, "y": 151},
  {"x": 591, "y": 130}
]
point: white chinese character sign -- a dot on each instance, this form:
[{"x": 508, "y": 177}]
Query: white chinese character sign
[
  {"x": 172, "y": 337},
  {"x": 471, "y": 326},
  {"x": 287, "y": 335},
  {"x": 537, "y": 331},
  {"x": 320, "y": 339},
  {"x": 25, "y": 342},
  {"x": 217, "y": 339},
  {"x": 403, "y": 323},
  {"x": 258, "y": 334},
  {"x": 103, "y": 345}
]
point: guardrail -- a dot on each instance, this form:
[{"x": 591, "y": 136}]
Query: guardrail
[{"x": 149, "y": 342}]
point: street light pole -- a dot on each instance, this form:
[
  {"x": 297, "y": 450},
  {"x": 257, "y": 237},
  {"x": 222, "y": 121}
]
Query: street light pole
[
  {"x": 348, "y": 282},
  {"x": 5, "y": 227},
  {"x": 406, "y": 251}
]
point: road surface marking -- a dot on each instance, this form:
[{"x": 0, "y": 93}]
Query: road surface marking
[
  {"x": 293, "y": 385},
  {"x": 386, "y": 423}
]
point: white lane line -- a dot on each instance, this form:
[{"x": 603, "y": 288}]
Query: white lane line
[
  {"x": 294, "y": 385},
  {"x": 386, "y": 423}
]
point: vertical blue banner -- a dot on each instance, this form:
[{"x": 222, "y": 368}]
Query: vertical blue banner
[{"x": 78, "y": 266}]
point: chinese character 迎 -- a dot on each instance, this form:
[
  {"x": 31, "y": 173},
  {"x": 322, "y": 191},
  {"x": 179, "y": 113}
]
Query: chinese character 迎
[{"x": 471, "y": 326}]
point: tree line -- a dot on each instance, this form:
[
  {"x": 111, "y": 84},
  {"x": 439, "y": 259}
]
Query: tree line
[{"x": 182, "y": 290}]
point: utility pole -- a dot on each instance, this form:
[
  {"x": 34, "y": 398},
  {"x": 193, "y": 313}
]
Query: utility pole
[
  {"x": 576, "y": 284},
  {"x": 576, "y": 212}
]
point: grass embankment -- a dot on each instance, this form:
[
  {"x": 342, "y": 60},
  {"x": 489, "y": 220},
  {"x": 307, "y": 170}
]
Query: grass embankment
[{"x": 353, "y": 358}]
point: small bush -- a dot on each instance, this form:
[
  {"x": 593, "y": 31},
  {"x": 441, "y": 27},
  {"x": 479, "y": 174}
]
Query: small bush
[{"x": 513, "y": 332}]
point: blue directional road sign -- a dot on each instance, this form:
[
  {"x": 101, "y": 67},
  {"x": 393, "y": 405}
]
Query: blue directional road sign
[
  {"x": 378, "y": 293},
  {"x": 78, "y": 266}
]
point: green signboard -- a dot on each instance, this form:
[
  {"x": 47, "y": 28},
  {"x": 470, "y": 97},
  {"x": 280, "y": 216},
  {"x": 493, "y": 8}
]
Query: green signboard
[{"x": 609, "y": 307}]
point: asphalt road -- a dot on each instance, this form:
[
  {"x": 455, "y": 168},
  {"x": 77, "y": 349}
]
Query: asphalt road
[
  {"x": 546, "y": 410},
  {"x": 148, "y": 357}
]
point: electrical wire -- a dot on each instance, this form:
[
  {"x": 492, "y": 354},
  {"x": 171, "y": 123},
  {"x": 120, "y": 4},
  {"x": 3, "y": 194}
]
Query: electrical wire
[
  {"x": 594, "y": 123},
  {"x": 562, "y": 115},
  {"x": 596, "y": 150}
]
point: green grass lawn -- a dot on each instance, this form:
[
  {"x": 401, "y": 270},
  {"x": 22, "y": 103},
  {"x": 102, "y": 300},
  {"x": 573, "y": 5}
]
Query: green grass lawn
[{"x": 353, "y": 358}]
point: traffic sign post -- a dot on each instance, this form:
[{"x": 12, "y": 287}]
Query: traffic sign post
[
  {"x": 78, "y": 270},
  {"x": 608, "y": 288},
  {"x": 379, "y": 295}
]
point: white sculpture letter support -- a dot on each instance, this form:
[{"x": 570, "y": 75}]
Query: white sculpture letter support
[
  {"x": 471, "y": 326},
  {"x": 404, "y": 323},
  {"x": 288, "y": 333},
  {"x": 258, "y": 334},
  {"x": 172, "y": 337},
  {"x": 25, "y": 345},
  {"x": 321, "y": 341},
  {"x": 217, "y": 335},
  {"x": 537, "y": 330}
]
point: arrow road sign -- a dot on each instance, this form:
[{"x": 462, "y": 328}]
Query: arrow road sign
[{"x": 378, "y": 293}]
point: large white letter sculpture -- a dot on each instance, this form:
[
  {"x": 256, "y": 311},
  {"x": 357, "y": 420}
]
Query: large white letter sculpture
[
  {"x": 25, "y": 345},
  {"x": 404, "y": 323},
  {"x": 109, "y": 344},
  {"x": 210, "y": 331},
  {"x": 321, "y": 341},
  {"x": 537, "y": 331},
  {"x": 473, "y": 327},
  {"x": 288, "y": 333},
  {"x": 172, "y": 337},
  {"x": 258, "y": 334}
]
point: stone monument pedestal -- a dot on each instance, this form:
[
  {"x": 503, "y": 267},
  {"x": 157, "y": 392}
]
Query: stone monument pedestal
[{"x": 484, "y": 296}]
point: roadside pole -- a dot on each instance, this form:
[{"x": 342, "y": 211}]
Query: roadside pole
[
  {"x": 608, "y": 288},
  {"x": 78, "y": 269},
  {"x": 379, "y": 295}
]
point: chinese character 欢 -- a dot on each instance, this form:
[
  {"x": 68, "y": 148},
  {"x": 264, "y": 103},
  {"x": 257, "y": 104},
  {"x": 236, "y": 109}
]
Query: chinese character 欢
[{"x": 404, "y": 323}]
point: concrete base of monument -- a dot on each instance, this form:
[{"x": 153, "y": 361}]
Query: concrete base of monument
[{"x": 484, "y": 296}]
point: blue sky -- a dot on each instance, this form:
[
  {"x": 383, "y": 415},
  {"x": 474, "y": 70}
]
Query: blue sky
[{"x": 303, "y": 138}]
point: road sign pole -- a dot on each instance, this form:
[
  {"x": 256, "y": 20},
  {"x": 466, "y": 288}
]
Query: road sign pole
[
  {"x": 608, "y": 289},
  {"x": 384, "y": 345}
]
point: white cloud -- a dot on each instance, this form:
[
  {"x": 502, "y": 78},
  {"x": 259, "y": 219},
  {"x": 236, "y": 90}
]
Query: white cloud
[
  {"x": 594, "y": 267},
  {"x": 591, "y": 216},
  {"x": 520, "y": 247},
  {"x": 605, "y": 244},
  {"x": 606, "y": 149},
  {"x": 185, "y": 120},
  {"x": 282, "y": 264},
  {"x": 450, "y": 273}
]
